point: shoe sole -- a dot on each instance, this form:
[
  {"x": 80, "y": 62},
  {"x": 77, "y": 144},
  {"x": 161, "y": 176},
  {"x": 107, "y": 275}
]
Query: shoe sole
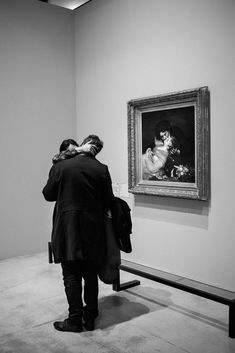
[{"x": 67, "y": 330}]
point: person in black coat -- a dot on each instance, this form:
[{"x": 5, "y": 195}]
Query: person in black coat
[
  {"x": 82, "y": 189},
  {"x": 68, "y": 149}
]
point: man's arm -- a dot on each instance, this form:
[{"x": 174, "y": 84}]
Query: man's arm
[
  {"x": 64, "y": 155},
  {"x": 50, "y": 190},
  {"x": 70, "y": 153},
  {"x": 87, "y": 147},
  {"x": 108, "y": 193}
]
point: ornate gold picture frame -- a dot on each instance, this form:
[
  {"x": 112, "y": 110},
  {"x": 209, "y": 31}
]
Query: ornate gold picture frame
[{"x": 168, "y": 144}]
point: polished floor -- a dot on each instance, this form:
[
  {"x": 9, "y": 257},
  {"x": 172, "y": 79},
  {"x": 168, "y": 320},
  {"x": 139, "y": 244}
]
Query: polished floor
[{"x": 146, "y": 319}]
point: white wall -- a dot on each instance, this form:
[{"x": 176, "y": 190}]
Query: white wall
[
  {"x": 125, "y": 49},
  {"x": 129, "y": 49},
  {"x": 37, "y": 110}
]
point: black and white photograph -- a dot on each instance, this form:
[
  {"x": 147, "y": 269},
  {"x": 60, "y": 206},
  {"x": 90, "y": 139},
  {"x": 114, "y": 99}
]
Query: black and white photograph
[{"x": 117, "y": 173}]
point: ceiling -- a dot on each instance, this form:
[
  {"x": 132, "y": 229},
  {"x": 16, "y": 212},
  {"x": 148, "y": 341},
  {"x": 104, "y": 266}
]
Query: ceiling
[{"x": 68, "y": 4}]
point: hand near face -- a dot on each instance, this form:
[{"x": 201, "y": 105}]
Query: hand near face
[
  {"x": 87, "y": 147},
  {"x": 168, "y": 141}
]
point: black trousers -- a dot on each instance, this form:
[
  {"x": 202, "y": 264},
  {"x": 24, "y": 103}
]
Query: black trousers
[{"x": 74, "y": 272}]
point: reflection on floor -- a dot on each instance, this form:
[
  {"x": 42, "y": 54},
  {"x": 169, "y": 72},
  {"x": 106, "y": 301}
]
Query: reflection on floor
[{"x": 149, "y": 318}]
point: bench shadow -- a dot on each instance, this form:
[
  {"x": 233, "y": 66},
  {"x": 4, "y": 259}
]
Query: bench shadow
[
  {"x": 115, "y": 309},
  {"x": 159, "y": 298}
]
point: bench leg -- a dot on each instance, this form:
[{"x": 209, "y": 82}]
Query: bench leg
[
  {"x": 117, "y": 287},
  {"x": 50, "y": 259},
  {"x": 232, "y": 320}
]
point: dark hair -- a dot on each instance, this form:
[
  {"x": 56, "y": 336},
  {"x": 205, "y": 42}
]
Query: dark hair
[
  {"x": 96, "y": 142},
  {"x": 65, "y": 144},
  {"x": 163, "y": 125}
]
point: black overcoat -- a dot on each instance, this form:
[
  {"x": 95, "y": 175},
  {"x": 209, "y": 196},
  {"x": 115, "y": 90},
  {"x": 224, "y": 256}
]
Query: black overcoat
[{"x": 82, "y": 189}]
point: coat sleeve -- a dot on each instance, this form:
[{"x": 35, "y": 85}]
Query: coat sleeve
[
  {"x": 50, "y": 190},
  {"x": 109, "y": 196}
]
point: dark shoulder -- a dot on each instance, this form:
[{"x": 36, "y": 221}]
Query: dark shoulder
[
  {"x": 96, "y": 164},
  {"x": 83, "y": 160},
  {"x": 89, "y": 157}
]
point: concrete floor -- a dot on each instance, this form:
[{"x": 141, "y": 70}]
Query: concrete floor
[{"x": 145, "y": 319}]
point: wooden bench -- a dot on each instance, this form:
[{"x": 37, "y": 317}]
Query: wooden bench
[{"x": 204, "y": 290}]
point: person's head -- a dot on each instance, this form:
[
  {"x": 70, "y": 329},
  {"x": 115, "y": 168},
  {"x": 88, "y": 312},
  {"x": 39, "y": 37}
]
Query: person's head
[
  {"x": 163, "y": 130},
  {"x": 68, "y": 144},
  {"x": 96, "y": 143}
]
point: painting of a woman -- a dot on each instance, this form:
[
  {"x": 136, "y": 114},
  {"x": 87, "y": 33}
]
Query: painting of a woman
[
  {"x": 168, "y": 144},
  {"x": 170, "y": 155}
]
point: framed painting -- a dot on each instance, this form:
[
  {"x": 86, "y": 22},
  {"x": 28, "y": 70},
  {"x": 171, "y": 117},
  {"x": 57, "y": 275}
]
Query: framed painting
[{"x": 168, "y": 144}]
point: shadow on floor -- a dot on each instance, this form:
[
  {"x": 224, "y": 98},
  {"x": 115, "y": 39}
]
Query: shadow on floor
[
  {"x": 158, "y": 297},
  {"x": 115, "y": 309}
]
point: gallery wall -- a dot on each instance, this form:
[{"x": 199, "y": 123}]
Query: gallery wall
[
  {"x": 37, "y": 110},
  {"x": 130, "y": 49},
  {"x": 124, "y": 49}
]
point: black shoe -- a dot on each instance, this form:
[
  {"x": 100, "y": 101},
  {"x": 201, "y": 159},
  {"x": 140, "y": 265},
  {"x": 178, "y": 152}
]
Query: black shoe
[
  {"x": 67, "y": 326},
  {"x": 89, "y": 318}
]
